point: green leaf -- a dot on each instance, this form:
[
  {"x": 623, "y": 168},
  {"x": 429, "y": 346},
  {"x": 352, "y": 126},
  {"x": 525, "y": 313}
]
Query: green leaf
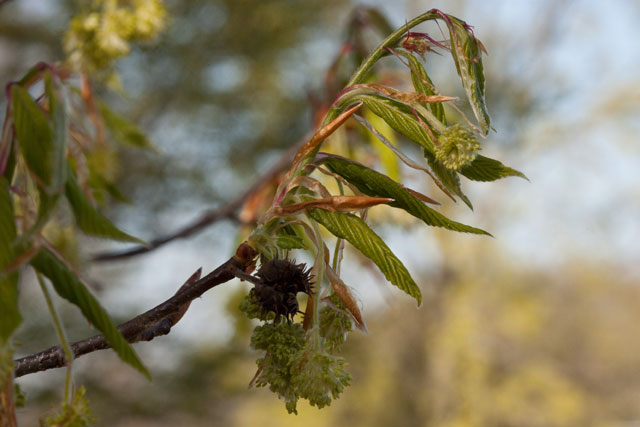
[
  {"x": 447, "y": 177},
  {"x": 467, "y": 55},
  {"x": 69, "y": 287},
  {"x": 35, "y": 137},
  {"x": 122, "y": 130},
  {"x": 486, "y": 169},
  {"x": 101, "y": 187},
  {"x": 386, "y": 156},
  {"x": 48, "y": 196},
  {"x": 10, "y": 317},
  {"x": 290, "y": 242},
  {"x": 423, "y": 84},
  {"x": 89, "y": 220},
  {"x": 354, "y": 230},
  {"x": 58, "y": 114},
  {"x": 399, "y": 117},
  {"x": 375, "y": 184},
  {"x": 7, "y": 150}
]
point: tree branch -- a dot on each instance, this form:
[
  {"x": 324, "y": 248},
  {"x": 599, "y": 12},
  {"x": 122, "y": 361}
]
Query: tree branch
[
  {"x": 209, "y": 217},
  {"x": 153, "y": 323}
]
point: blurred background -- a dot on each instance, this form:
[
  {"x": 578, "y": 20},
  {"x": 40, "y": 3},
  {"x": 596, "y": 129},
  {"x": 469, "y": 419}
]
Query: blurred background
[{"x": 538, "y": 326}]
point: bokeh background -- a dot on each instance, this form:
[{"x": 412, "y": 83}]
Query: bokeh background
[{"x": 539, "y": 326}]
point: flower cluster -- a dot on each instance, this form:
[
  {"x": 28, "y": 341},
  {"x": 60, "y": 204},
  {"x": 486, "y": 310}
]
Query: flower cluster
[
  {"x": 295, "y": 371},
  {"x": 97, "y": 38},
  {"x": 283, "y": 343},
  {"x": 335, "y": 323},
  {"x": 458, "y": 147},
  {"x": 320, "y": 378},
  {"x": 76, "y": 413},
  {"x": 296, "y": 364}
]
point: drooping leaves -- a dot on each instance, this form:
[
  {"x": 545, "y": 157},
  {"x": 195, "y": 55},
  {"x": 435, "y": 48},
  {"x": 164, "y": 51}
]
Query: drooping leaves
[
  {"x": 376, "y": 184},
  {"x": 88, "y": 218},
  {"x": 486, "y": 169},
  {"x": 10, "y": 317},
  {"x": 287, "y": 242},
  {"x": 447, "y": 177},
  {"x": 344, "y": 294},
  {"x": 423, "y": 84},
  {"x": 43, "y": 140},
  {"x": 401, "y": 120},
  {"x": 387, "y": 157},
  {"x": 37, "y": 141},
  {"x": 403, "y": 157},
  {"x": 122, "y": 130},
  {"x": 58, "y": 118},
  {"x": 466, "y": 51},
  {"x": 69, "y": 287},
  {"x": 354, "y": 230}
]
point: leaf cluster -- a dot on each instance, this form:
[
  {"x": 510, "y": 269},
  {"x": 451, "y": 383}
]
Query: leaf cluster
[
  {"x": 48, "y": 151},
  {"x": 303, "y": 200}
]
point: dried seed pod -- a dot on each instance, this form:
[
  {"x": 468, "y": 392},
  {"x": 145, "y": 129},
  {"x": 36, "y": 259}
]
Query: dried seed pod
[
  {"x": 286, "y": 276},
  {"x": 280, "y": 282}
]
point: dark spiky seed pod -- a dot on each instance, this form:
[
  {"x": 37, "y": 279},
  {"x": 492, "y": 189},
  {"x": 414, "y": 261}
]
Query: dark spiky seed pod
[
  {"x": 280, "y": 282},
  {"x": 286, "y": 276}
]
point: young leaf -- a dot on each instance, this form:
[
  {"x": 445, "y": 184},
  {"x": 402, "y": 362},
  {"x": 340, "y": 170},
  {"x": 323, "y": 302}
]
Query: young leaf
[
  {"x": 10, "y": 317},
  {"x": 123, "y": 131},
  {"x": 403, "y": 157},
  {"x": 49, "y": 196},
  {"x": 332, "y": 203},
  {"x": 344, "y": 294},
  {"x": 486, "y": 169},
  {"x": 323, "y": 133},
  {"x": 69, "y": 287},
  {"x": 374, "y": 183},
  {"x": 89, "y": 220},
  {"x": 386, "y": 156},
  {"x": 354, "y": 230},
  {"x": 7, "y": 150},
  {"x": 423, "y": 84},
  {"x": 58, "y": 114},
  {"x": 447, "y": 177},
  {"x": 287, "y": 242},
  {"x": 35, "y": 137},
  {"x": 467, "y": 55},
  {"x": 401, "y": 120}
]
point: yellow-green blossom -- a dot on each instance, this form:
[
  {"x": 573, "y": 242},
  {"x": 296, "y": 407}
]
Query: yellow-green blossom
[
  {"x": 97, "y": 38},
  {"x": 458, "y": 147}
]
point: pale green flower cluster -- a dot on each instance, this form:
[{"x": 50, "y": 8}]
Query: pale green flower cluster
[
  {"x": 291, "y": 367},
  {"x": 458, "y": 147},
  {"x": 97, "y": 38},
  {"x": 76, "y": 414}
]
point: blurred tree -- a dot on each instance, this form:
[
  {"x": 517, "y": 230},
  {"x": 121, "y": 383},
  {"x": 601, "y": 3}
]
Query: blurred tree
[{"x": 483, "y": 351}]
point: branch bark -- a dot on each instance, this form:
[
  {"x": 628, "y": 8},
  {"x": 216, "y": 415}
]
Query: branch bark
[{"x": 153, "y": 323}]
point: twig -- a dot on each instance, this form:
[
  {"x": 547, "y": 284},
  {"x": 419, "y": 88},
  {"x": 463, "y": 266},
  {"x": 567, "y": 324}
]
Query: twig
[
  {"x": 227, "y": 211},
  {"x": 153, "y": 323}
]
